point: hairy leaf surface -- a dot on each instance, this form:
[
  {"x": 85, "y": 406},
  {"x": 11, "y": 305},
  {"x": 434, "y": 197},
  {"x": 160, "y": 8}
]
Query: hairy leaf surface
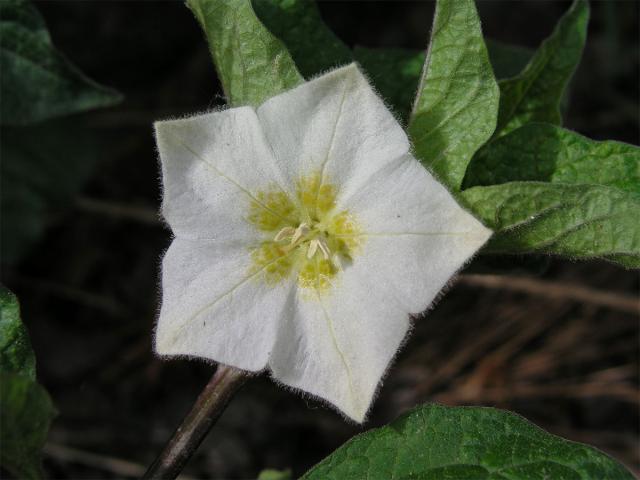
[
  {"x": 25, "y": 414},
  {"x": 252, "y": 63},
  {"x": 37, "y": 82},
  {"x": 313, "y": 46},
  {"x": 579, "y": 221},
  {"x": 434, "y": 442},
  {"x": 395, "y": 73},
  {"x": 544, "y": 152},
  {"x": 16, "y": 355},
  {"x": 535, "y": 94},
  {"x": 455, "y": 111},
  {"x": 25, "y": 407}
]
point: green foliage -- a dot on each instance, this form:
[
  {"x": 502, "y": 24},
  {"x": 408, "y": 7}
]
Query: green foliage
[
  {"x": 436, "y": 442},
  {"x": 37, "y": 81},
  {"x": 579, "y": 221},
  {"x": 25, "y": 414},
  {"x": 507, "y": 60},
  {"x": 271, "y": 474},
  {"x": 547, "y": 153},
  {"x": 25, "y": 407},
  {"x": 315, "y": 49},
  {"x": 43, "y": 168},
  {"x": 456, "y": 107},
  {"x": 252, "y": 64},
  {"x": 395, "y": 73},
  {"x": 543, "y": 189},
  {"x": 16, "y": 355},
  {"x": 535, "y": 94},
  {"x": 313, "y": 46}
]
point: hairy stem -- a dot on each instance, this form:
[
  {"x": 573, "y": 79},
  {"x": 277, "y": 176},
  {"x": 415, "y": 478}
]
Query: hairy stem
[{"x": 204, "y": 413}]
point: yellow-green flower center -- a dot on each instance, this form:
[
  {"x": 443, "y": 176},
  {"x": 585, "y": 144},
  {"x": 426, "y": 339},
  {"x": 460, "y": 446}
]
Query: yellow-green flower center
[{"x": 307, "y": 236}]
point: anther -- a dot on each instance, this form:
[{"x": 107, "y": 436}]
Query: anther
[
  {"x": 300, "y": 232},
  {"x": 313, "y": 247},
  {"x": 286, "y": 232},
  {"x": 324, "y": 248}
]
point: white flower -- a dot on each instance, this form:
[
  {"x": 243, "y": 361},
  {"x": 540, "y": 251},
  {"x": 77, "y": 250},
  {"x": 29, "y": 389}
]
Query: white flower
[{"x": 305, "y": 236}]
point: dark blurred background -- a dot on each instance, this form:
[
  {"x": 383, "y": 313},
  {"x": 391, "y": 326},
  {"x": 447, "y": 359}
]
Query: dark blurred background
[{"x": 89, "y": 289}]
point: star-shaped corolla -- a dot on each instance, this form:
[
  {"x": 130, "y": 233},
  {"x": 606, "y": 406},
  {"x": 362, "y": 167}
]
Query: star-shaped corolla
[{"x": 305, "y": 236}]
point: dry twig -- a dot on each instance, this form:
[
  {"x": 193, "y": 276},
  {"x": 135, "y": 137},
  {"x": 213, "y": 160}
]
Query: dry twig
[
  {"x": 555, "y": 290},
  {"x": 117, "y": 466}
]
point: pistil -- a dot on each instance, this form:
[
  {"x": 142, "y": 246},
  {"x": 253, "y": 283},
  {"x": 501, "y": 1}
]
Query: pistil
[{"x": 303, "y": 234}]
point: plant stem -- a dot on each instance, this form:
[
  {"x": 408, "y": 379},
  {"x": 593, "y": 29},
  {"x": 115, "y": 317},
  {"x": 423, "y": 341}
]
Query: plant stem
[{"x": 205, "y": 412}]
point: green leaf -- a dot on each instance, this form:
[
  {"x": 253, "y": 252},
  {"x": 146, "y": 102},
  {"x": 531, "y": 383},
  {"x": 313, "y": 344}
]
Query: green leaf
[
  {"x": 395, "y": 73},
  {"x": 271, "y": 474},
  {"x": 16, "y": 355},
  {"x": 536, "y": 93},
  {"x": 43, "y": 168},
  {"x": 435, "y": 442},
  {"x": 627, "y": 261},
  {"x": 37, "y": 81},
  {"x": 580, "y": 221},
  {"x": 42, "y": 165},
  {"x": 25, "y": 414},
  {"x": 313, "y": 46},
  {"x": 507, "y": 60},
  {"x": 25, "y": 407},
  {"x": 253, "y": 65},
  {"x": 544, "y": 152},
  {"x": 455, "y": 111}
]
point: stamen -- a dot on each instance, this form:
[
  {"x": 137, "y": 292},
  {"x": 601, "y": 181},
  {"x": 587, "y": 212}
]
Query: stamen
[
  {"x": 298, "y": 236},
  {"x": 286, "y": 232},
  {"x": 301, "y": 231},
  {"x": 337, "y": 262},
  {"x": 313, "y": 247},
  {"x": 324, "y": 248}
]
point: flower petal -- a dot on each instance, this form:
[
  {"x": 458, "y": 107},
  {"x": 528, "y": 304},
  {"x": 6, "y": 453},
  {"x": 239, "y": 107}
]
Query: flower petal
[
  {"x": 415, "y": 234},
  {"x": 339, "y": 344},
  {"x": 335, "y": 126},
  {"x": 212, "y": 167},
  {"x": 415, "y": 237},
  {"x": 215, "y": 306}
]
